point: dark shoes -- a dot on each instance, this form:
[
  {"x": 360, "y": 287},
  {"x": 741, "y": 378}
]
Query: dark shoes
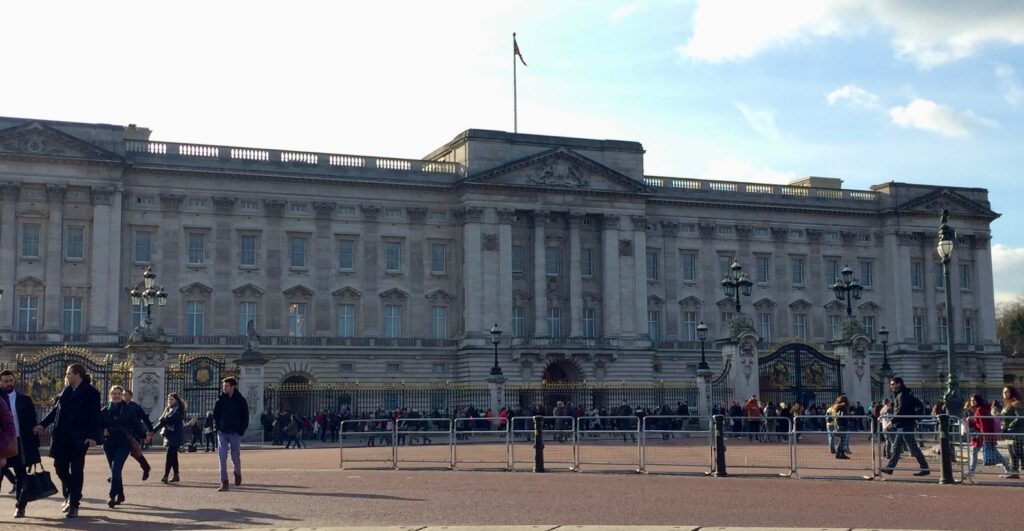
[
  {"x": 72, "y": 512},
  {"x": 19, "y": 512},
  {"x": 922, "y": 473},
  {"x": 112, "y": 502},
  {"x": 886, "y": 471},
  {"x": 842, "y": 457},
  {"x": 119, "y": 499},
  {"x": 238, "y": 479},
  {"x": 175, "y": 479},
  {"x": 66, "y": 507},
  {"x": 145, "y": 473},
  {"x": 223, "y": 486},
  {"x": 163, "y": 479}
]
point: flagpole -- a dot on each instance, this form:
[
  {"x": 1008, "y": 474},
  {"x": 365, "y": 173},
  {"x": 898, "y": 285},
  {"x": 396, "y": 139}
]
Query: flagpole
[{"x": 515, "y": 95}]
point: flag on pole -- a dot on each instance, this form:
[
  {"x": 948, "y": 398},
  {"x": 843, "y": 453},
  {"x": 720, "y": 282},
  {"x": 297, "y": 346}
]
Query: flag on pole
[{"x": 515, "y": 49}]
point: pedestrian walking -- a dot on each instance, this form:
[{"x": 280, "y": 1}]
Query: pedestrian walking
[
  {"x": 172, "y": 428},
  {"x": 293, "y": 430},
  {"x": 76, "y": 427},
  {"x": 840, "y": 424},
  {"x": 230, "y": 418},
  {"x": 24, "y": 413},
  {"x": 121, "y": 430},
  {"x": 209, "y": 433},
  {"x": 144, "y": 418},
  {"x": 1013, "y": 428},
  {"x": 905, "y": 408},
  {"x": 982, "y": 428}
]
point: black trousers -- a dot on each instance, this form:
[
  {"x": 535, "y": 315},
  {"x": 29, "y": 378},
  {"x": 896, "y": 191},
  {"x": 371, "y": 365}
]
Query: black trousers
[
  {"x": 171, "y": 463},
  {"x": 69, "y": 463},
  {"x": 16, "y": 467}
]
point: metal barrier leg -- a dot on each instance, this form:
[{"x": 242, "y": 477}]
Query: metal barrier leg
[
  {"x": 946, "y": 451},
  {"x": 538, "y": 445}
]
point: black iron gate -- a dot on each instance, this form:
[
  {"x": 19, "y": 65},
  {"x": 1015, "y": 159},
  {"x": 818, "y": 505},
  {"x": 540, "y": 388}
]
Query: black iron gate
[
  {"x": 721, "y": 388},
  {"x": 196, "y": 379},
  {"x": 41, "y": 375},
  {"x": 797, "y": 372}
]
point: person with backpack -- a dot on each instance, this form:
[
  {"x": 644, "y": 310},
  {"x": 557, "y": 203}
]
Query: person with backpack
[{"x": 905, "y": 407}]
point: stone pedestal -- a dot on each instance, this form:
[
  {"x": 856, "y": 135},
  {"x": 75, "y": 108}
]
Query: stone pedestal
[
  {"x": 703, "y": 395},
  {"x": 251, "y": 384},
  {"x": 496, "y": 385},
  {"x": 149, "y": 362},
  {"x": 855, "y": 362},
  {"x": 740, "y": 346}
]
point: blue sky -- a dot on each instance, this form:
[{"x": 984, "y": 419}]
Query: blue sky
[{"x": 921, "y": 91}]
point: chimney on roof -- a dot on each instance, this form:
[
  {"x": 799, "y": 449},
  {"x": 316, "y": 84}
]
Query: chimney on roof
[
  {"x": 818, "y": 182},
  {"x": 134, "y": 132}
]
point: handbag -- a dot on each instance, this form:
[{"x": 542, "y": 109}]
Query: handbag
[
  {"x": 989, "y": 453},
  {"x": 37, "y": 485}
]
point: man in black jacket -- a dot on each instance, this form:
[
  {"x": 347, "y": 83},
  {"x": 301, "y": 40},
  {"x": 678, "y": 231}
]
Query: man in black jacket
[
  {"x": 137, "y": 410},
  {"x": 905, "y": 408},
  {"x": 28, "y": 443},
  {"x": 230, "y": 419},
  {"x": 76, "y": 427}
]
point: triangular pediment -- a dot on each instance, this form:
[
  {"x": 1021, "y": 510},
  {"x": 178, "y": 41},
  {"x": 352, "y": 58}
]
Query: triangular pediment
[
  {"x": 197, "y": 288},
  {"x": 298, "y": 290},
  {"x": 38, "y": 140},
  {"x": 29, "y": 281},
  {"x": 764, "y": 304},
  {"x": 835, "y": 306},
  {"x": 869, "y": 307},
  {"x": 348, "y": 292},
  {"x": 800, "y": 305},
  {"x": 394, "y": 294},
  {"x": 440, "y": 295},
  {"x": 559, "y": 169},
  {"x": 248, "y": 290},
  {"x": 959, "y": 206},
  {"x": 691, "y": 302}
]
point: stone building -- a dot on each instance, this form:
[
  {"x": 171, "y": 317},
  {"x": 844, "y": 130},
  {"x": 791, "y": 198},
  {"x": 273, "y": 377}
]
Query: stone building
[{"x": 367, "y": 268}]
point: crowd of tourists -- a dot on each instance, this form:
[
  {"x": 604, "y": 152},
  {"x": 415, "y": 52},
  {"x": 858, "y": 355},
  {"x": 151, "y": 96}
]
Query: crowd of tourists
[{"x": 121, "y": 428}]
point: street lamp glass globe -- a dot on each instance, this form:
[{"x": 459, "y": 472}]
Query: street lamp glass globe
[
  {"x": 495, "y": 334},
  {"x": 883, "y": 334},
  {"x": 945, "y": 249},
  {"x": 702, "y": 331}
]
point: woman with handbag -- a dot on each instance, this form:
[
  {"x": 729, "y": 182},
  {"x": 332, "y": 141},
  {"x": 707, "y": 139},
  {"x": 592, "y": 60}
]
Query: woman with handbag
[
  {"x": 982, "y": 427},
  {"x": 121, "y": 428},
  {"x": 172, "y": 424}
]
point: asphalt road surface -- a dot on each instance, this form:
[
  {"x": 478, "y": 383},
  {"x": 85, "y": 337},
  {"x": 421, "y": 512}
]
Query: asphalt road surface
[{"x": 305, "y": 488}]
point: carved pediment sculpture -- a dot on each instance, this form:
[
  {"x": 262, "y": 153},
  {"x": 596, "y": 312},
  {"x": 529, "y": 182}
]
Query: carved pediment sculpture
[
  {"x": 560, "y": 168},
  {"x": 36, "y": 139}
]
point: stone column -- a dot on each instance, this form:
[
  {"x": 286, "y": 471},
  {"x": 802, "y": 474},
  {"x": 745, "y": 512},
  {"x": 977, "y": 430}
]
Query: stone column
[
  {"x": 640, "y": 274},
  {"x": 496, "y": 386},
  {"x": 985, "y": 325},
  {"x": 149, "y": 361},
  {"x": 54, "y": 258},
  {"x": 575, "y": 279},
  {"x": 8, "y": 251},
  {"x": 540, "y": 279},
  {"x": 703, "y": 396},
  {"x": 855, "y": 360},
  {"x": 505, "y": 217},
  {"x": 472, "y": 279},
  {"x": 671, "y": 275},
  {"x": 114, "y": 293},
  {"x": 371, "y": 265},
  {"x": 251, "y": 383},
  {"x": 610, "y": 310},
  {"x": 101, "y": 255}
]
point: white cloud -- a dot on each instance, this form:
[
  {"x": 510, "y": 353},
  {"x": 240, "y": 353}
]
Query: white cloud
[
  {"x": 624, "y": 11},
  {"x": 930, "y": 116},
  {"x": 1007, "y": 263},
  {"x": 1012, "y": 91},
  {"x": 921, "y": 31},
  {"x": 761, "y": 120},
  {"x": 854, "y": 96},
  {"x": 734, "y": 169}
]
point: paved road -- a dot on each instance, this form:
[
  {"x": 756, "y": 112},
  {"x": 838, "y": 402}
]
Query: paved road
[{"x": 304, "y": 488}]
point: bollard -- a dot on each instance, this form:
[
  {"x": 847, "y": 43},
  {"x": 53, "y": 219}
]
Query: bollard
[
  {"x": 945, "y": 451},
  {"x": 538, "y": 443},
  {"x": 719, "y": 427}
]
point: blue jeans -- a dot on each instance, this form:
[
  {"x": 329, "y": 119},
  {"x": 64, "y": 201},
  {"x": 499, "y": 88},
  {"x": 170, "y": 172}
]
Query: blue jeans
[
  {"x": 232, "y": 442},
  {"x": 899, "y": 438},
  {"x": 116, "y": 456}
]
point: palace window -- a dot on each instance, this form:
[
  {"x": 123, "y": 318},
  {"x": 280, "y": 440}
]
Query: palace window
[
  {"x": 437, "y": 258},
  {"x": 194, "y": 318},
  {"x": 589, "y": 322},
  {"x": 392, "y": 321},
  {"x": 72, "y": 315},
  {"x": 297, "y": 319},
  {"x": 346, "y": 320},
  {"x": 246, "y": 313},
  {"x": 28, "y": 314},
  {"x": 30, "y": 240},
  {"x": 142, "y": 247},
  {"x": 247, "y": 250},
  {"x": 74, "y": 244},
  {"x": 196, "y": 248},
  {"x": 439, "y": 321}
]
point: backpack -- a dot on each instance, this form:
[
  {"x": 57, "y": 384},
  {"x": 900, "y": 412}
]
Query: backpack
[{"x": 913, "y": 405}]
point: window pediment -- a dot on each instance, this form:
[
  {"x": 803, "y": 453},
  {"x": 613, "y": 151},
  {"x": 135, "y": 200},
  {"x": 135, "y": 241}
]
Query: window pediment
[
  {"x": 248, "y": 290},
  {"x": 348, "y": 292},
  {"x": 440, "y": 295},
  {"x": 298, "y": 291},
  {"x": 394, "y": 294},
  {"x": 691, "y": 302},
  {"x": 197, "y": 288},
  {"x": 800, "y": 305}
]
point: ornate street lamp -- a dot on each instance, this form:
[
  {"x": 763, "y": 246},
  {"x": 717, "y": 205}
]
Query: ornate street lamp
[
  {"x": 149, "y": 296},
  {"x": 495, "y": 339},
  {"x": 947, "y": 237},
  {"x": 703, "y": 370},
  {"x": 736, "y": 283},
  {"x": 885, "y": 370},
  {"x": 847, "y": 288}
]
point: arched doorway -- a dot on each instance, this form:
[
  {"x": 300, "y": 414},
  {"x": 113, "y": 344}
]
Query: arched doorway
[
  {"x": 560, "y": 383},
  {"x": 295, "y": 395}
]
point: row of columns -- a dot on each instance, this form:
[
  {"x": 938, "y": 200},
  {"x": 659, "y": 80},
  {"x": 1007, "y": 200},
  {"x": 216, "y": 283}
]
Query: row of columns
[{"x": 488, "y": 277}]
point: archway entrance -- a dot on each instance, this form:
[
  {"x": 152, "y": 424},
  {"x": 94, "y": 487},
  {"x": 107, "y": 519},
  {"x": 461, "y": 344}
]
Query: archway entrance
[
  {"x": 294, "y": 395},
  {"x": 560, "y": 383}
]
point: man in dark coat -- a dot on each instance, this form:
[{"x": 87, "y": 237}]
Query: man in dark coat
[
  {"x": 906, "y": 408},
  {"x": 230, "y": 419},
  {"x": 143, "y": 417},
  {"x": 28, "y": 443},
  {"x": 76, "y": 427}
]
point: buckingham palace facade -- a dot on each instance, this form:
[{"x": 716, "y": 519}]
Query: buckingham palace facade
[{"x": 371, "y": 268}]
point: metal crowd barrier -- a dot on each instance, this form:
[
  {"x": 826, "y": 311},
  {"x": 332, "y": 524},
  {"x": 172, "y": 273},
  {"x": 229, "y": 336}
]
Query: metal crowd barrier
[
  {"x": 367, "y": 444},
  {"x": 559, "y": 443},
  {"x": 435, "y": 443},
  {"x": 480, "y": 444},
  {"x": 1008, "y": 447},
  {"x": 670, "y": 443},
  {"x": 817, "y": 452},
  {"x": 598, "y": 447},
  {"x": 766, "y": 445}
]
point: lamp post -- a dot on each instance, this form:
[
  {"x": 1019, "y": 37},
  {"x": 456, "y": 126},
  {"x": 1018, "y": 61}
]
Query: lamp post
[
  {"x": 703, "y": 370},
  {"x": 885, "y": 371},
  {"x": 847, "y": 288},
  {"x": 495, "y": 339},
  {"x": 736, "y": 283},
  {"x": 947, "y": 236},
  {"x": 149, "y": 296}
]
